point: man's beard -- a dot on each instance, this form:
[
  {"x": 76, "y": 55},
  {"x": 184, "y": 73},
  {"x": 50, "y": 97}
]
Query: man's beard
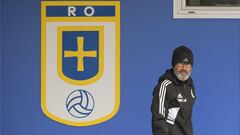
[{"x": 182, "y": 75}]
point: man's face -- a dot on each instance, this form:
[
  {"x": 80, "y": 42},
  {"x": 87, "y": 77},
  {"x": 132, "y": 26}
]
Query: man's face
[{"x": 182, "y": 71}]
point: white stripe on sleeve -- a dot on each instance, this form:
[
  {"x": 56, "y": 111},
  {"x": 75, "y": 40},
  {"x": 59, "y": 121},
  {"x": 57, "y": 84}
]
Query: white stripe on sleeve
[
  {"x": 162, "y": 93},
  {"x": 172, "y": 114}
]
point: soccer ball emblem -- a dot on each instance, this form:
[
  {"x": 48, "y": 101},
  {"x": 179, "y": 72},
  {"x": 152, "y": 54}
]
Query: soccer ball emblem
[{"x": 80, "y": 103}]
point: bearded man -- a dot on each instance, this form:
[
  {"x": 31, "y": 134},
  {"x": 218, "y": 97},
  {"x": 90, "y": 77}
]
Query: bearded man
[{"x": 174, "y": 96}]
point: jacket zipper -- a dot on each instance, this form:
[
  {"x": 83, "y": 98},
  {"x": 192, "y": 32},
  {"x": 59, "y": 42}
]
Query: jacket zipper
[{"x": 188, "y": 122}]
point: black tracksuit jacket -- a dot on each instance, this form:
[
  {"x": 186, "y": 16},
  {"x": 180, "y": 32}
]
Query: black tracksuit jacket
[{"x": 172, "y": 105}]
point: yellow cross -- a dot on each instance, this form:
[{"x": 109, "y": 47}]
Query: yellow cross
[{"x": 80, "y": 54}]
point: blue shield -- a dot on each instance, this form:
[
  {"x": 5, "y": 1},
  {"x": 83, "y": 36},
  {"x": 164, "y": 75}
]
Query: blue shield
[{"x": 80, "y": 53}]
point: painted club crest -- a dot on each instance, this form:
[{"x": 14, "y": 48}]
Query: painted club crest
[{"x": 80, "y": 61}]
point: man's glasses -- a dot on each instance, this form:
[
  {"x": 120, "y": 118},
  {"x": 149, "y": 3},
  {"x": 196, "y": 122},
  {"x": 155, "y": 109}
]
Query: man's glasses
[{"x": 182, "y": 65}]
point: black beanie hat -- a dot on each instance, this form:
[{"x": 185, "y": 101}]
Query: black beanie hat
[{"x": 182, "y": 54}]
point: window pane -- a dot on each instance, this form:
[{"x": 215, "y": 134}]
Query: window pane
[{"x": 217, "y": 3}]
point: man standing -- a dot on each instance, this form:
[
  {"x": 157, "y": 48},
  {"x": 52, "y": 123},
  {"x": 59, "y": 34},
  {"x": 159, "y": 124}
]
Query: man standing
[{"x": 174, "y": 96}]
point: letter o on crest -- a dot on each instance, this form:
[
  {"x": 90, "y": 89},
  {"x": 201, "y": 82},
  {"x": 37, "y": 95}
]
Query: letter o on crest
[{"x": 89, "y": 11}]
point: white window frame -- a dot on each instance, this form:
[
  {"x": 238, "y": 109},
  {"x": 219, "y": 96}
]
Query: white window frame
[{"x": 180, "y": 10}]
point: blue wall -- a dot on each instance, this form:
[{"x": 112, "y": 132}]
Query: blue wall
[
  {"x": 148, "y": 36},
  {"x": 0, "y": 67}
]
